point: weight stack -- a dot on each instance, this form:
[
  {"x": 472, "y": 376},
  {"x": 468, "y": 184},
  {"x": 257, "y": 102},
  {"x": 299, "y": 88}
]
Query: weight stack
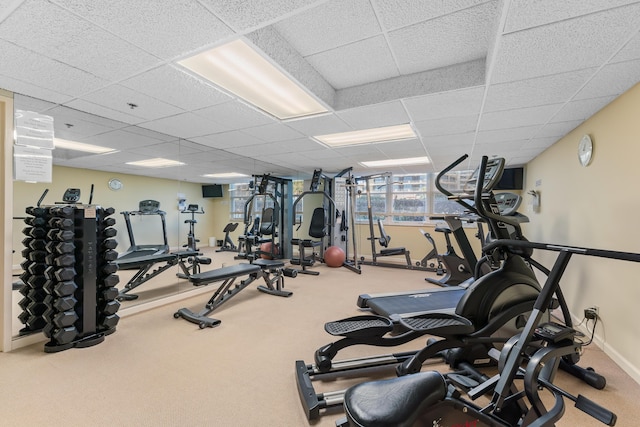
[{"x": 76, "y": 272}]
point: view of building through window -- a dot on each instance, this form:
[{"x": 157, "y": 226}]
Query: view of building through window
[{"x": 396, "y": 199}]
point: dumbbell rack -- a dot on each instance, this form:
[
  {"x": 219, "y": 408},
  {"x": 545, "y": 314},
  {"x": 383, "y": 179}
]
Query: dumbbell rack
[{"x": 69, "y": 275}]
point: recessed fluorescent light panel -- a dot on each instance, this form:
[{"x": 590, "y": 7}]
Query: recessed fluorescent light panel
[
  {"x": 241, "y": 70},
  {"x": 79, "y": 146},
  {"x": 158, "y": 162},
  {"x": 367, "y": 136},
  {"x": 396, "y": 162},
  {"x": 225, "y": 175}
]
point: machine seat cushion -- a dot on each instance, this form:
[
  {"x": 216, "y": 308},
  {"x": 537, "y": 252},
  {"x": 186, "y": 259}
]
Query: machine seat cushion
[
  {"x": 143, "y": 261},
  {"x": 223, "y": 273},
  {"x": 393, "y": 251},
  {"x": 268, "y": 263},
  {"x": 396, "y": 402}
]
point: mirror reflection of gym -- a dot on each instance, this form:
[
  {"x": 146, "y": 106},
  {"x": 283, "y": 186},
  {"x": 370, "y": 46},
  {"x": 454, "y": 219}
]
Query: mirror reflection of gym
[{"x": 126, "y": 196}]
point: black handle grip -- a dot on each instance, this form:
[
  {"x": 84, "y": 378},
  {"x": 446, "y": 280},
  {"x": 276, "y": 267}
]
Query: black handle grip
[{"x": 596, "y": 411}]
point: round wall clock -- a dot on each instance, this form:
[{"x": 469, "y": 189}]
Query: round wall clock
[
  {"x": 585, "y": 150},
  {"x": 115, "y": 184}
]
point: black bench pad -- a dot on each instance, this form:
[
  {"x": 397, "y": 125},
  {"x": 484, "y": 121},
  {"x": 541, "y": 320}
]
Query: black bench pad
[{"x": 223, "y": 273}]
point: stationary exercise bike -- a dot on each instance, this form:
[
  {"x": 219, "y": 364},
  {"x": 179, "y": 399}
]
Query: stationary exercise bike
[{"x": 191, "y": 237}]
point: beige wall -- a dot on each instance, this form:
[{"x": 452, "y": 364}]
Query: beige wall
[
  {"x": 596, "y": 206},
  {"x": 147, "y": 230}
]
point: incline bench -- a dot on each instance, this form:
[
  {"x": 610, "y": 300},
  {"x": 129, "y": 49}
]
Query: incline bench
[
  {"x": 228, "y": 275},
  {"x": 189, "y": 262}
]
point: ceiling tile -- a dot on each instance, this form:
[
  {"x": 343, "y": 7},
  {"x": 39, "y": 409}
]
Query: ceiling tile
[
  {"x": 117, "y": 97},
  {"x": 121, "y": 139},
  {"x": 319, "y": 125},
  {"x": 235, "y": 115},
  {"x": 455, "y": 103},
  {"x": 577, "y": 43},
  {"x": 56, "y": 33},
  {"x": 520, "y": 117},
  {"x": 355, "y": 64},
  {"x": 28, "y": 103},
  {"x": 452, "y": 39},
  {"x": 630, "y": 51},
  {"x": 372, "y": 116},
  {"x": 526, "y": 14},
  {"x": 556, "y": 130},
  {"x": 329, "y": 25},
  {"x": 273, "y": 132},
  {"x": 508, "y": 134},
  {"x": 191, "y": 25},
  {"x": 176, "y": 87},
  {"x": 100, "y": 111},
  {"x": 401, "y": 13},
  {"x": 446, "y": 126},
  {"x": 244, "y": 14},
  {"x": 30, "y": 67},
  {"x": 228, "y": 139},
  {"x": 545, "y": 90},
  {"x": 21, "y": 87},
  {"x": 612, "y": 80},
  {"x": 581, "y": 109},
  {"x": 186, "y": 125}
]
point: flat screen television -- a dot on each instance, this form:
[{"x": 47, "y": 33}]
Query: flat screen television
[
  {"x": 512, "y": 179},
  {"x": 213, "y": 190}
]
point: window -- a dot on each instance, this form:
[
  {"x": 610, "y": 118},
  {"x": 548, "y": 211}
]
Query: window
[
  {"x": 408, "y": 199},
  {"x": 238, "y": 195}
]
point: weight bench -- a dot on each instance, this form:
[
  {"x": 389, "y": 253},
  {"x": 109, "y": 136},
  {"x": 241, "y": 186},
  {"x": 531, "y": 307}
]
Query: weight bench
[
  {"x": 263, "y": 268},
  {"x": 146, "y": 263}
]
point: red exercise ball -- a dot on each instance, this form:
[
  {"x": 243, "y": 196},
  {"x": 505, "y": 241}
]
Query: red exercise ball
[
  {"x": 265, "y": 250},
  {"x": 334, "y": 256}
]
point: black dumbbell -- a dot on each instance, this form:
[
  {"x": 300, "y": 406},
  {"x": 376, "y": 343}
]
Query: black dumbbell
[
  {"x": 108, "y": 222},
  {"x": 109, "y": 232},
  {"x": 64, "y": 319},
  {"x": 63, "y": 289},
  {"x": 37, "y": 244},
  {"x": 36, "y": 210},
  {"x": 60, "y": 247},
  {"x": 108, "y": 211},
  {"x": 60, "y": 235},
  {"x": 35, "y": 232},
  {"x": 35, "y": 221},
  {"x": 37, "y": 281},
  {"x": 109, "y": 268},
  {"x": 64, "y": 223},
  {"x": 110, "y": 293},
  {"x": 37, "y": 268},
  {"x": 111, "y": 280},
  {"x": 64, "y": 303},
  {"x": 37, "y": 308},
  {"x": 63, "y": 211},
  {"x": 64, "y": 274},
  {"x": 111, "y": 307},
  {"x": 110, "y": 255},
  {"x": 109, "y": 322},
  {"x": 65, "y": 260},
  {"x": 64, "y": 335},
  {"x": 109, "y": 244}
]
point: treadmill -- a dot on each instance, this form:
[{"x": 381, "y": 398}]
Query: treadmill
[
  {"x": 145, "y": 208},
  {"x": 445, "y": 300}
]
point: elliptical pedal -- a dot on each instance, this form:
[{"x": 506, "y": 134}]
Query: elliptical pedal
[
  {"x": 438, "y": 324},
  {"x": 360, "y": 326}
]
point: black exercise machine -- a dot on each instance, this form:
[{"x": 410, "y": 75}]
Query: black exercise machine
[
  {"x": 192, "y": 242},
  {"x": 227, "y": 243},
  {"x": 145, "y": 208},
  {"x": 260, "y": 268},
  {"x": 489, "y": 311},
  {"x": 385, "y": 239},
  {"x": 533, "y": 356},
  {"x": 319, "y": 227},
  {"x": 188, "y": 261}
]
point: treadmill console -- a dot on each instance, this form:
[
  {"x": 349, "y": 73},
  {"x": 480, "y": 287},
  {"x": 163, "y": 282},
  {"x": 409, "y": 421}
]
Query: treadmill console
[
  {"x": 148, "y": 206},
  {"x": 508, "y": 203},
  {"x": 72, "y": 195}
]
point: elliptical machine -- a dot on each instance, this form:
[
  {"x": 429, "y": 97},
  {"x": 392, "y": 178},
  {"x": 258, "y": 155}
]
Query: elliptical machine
[{"x": 534, "y": 355}]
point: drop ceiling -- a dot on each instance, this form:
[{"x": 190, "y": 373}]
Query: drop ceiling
[{"x": 507, "y": 78}]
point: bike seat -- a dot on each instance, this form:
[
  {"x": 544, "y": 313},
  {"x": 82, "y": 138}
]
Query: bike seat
[{"x": 395, "y": 402}]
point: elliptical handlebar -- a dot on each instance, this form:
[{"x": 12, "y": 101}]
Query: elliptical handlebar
[{"x": 446, "y": 192}]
